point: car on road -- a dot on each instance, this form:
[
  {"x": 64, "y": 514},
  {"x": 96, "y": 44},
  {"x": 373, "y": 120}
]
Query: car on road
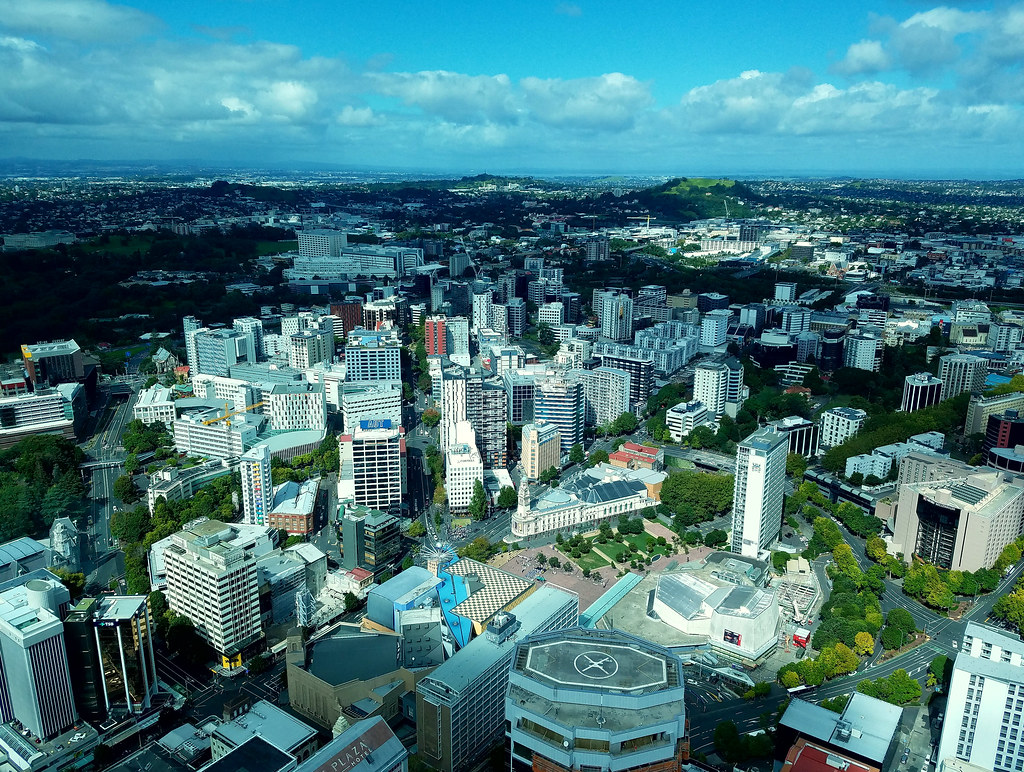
[{"x": 906, "y": 755}]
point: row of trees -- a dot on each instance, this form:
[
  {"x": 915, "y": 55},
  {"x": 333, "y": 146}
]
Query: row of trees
[
  {"x": 696, "y": 497},
  {"x": 39, "y": 482}
]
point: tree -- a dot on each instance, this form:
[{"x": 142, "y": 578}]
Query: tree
[
  {"x": 716, "y": 538},
  {"x": 826, "y": 530},
  {"x": 75, "y": 582},
  {"x": 431, "y": 417},
  {"x": 440, "y": 495},
  {"x": 125, "y": 490},
  {"x": 901, "y": 619},
  {"x": 727, "y": 740},
  {"x": 351, "y": 602},
  {"x": 554, "y": 562},
  {"x": 1010, "y": 608},
  {"x": 597, "y": 457},
  {"x": 892, "y": 638},
  {"x": 507, "y": 498},
  {"x": 625, "y": 423},
  {"x": 478, "y": 504},
  {"x": 863, "y": 643},
  {"x": 796, "y": 465},
  {"x": 417, "y": 529},
  {"x": 576, "y": 455},
  {"x": 407, "y": 562}
]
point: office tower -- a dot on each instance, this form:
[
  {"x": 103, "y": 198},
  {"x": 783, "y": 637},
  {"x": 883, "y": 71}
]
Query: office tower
[
  {"x": 957, "y": 524},
  {"x": 541, "y": 449},
  {"x": 558, "y": 399},
  {"x": 837, "y": 425},
  {"x": 213, "y": 582},
  {"x": 219, "y": 350},
  {"x": 796, "y": 320},
  {"x": 785, "y": 291},
  {"x": 458, "y": 263},
  {"x": 321, "y": 243},
  {"x": 735, "y": 390},
  {"x": 597, "y": 248},
  {"x": 370, "y": 539},
  {"x": 110, "y": 650},
  {"x": 35, "y": 682},
  {"x": 373, "y": 356},
  {"x": 298, "y": 406},
  {"x": 364, "y": 401},
  {"x": 257, "y": 487},
  {"x": 572, "y": 305},
  {"x": 758, "y": 491},
  {"x": 252, "y": 328},
  {"x": 801, "y": 433},
  {"x": 460, "y": 706},
  {"x": 516, "y": 317},
  {"x": 467, "y": 396},
  {"x": 567, "y": 683},
  {"x": 617, "y": 316},
  {"x": 605, "y": 395},
  {"x": 713, "y": 328},
  {"x": 435, "y": 336},
  {"x": 520, "y": 386},
  {"x": 985, "y": 703},
  {"x": 191, "y": 326},
  {"x": 350, "y": 312},
  {"x": 711, "y": 301},
  {"x": 831, "y": 354},
  {"x": 960, "y": 373},
  {"x": 373, "y": 470},
  {"x": 48, "y": 364},
  {"x": 753, "y": 315},
  {"x": 863, "y": 351},
  {"x": 463, "y": 467},
  {"x": 640, "y": 366},
  {"x": 1004, "y": 338},
  {"x": 550, "y": 314},
  {"x": 482, "y": 302},
  {"x": 310, "y": 348},
  {"x": 597, "y": 301},
  {"x": 920, "y": 390},
  {"x": 710, "y": 385},
  {"x": 499, "y": 319},
  {"x": 456, "y": 330}
]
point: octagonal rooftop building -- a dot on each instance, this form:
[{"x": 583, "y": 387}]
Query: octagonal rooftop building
[{"x": 596, "y": 700}]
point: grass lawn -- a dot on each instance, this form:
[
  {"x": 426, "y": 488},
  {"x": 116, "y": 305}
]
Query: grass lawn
[
  {"x": 120, "y": 245},
  {"x": 591, "y": 560},
  {"x": 264, "y": 248},
  {"x": 461, "y": 522}
]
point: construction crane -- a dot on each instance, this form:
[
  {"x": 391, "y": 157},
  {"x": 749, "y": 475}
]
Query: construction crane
[
  {"x": 644, "y": 217},
  {"x": 228, "y": 412}
]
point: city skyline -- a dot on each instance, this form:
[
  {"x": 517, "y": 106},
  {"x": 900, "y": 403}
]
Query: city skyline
[{"x": 907, "y": 89}]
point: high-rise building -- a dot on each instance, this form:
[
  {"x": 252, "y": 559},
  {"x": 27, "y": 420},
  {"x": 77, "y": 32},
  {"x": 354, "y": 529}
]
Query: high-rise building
[
  {"x": 460, "y": 706},
  {"x": 466, "y": 395},
  {"x": 48, "y": 364},
  {"x": 435, "y": 337},
  {"x": 456, "y": 331},
  {"x": 830, "y": 356},
  {"x": 984, "y": 706},
  {"x": 516, "y": 310},
  {"x": 191, "y": 326},
  {"x": 640, "y": 366},
  {"x": 213, "y": 582},
  {"x": 350, "y": 312},
  {"x": 837, "y": 425},
  {"x": 541, "y": 449},
  {"x": 785, "y": 291},
  {"x": 110, "y": 650},
  {"x": 600, "y": 700},
  {"x": 253, "y": 328},
  {"x": 801, "y": 433},
  {"x": 321, "y": 243},
  {"x": 310, "y": 348},
  {"x": 370, "y": 539},
  {"x": 959, "y": 524},
  {"x": 257, "y": 487},
  {"x": 364, "y": 401},
  {"x": 373, "y": 469},
  {"x": 713, "y": 328},
  {"x": 298, "y": 406},
  {"x": 920, "y": 390},
  {"x": 753, "y": 315},
  {"x": 758, "y": 491},
  {"x": 796, "y": 320},
  {"x": 980, "y": 408},
  {"x": 710, "y": 384},
  {"x": 219, "y": 350},
  {"x": 463, "y": 468},
  {"x": 551, "y": 314},
  {"x": 558, "y": 399},
  {"x": 373, "y": 355},
  {"x": 960, "y": 373},
  {"x": 605, "y": 395},
  {"x": 35, "y": 682},
  {"x": 617, "y": 316},
  {"x": 598, "y": 248},
  {"x": 863, "y": 351},
  {"x": 482, "y": 302}
]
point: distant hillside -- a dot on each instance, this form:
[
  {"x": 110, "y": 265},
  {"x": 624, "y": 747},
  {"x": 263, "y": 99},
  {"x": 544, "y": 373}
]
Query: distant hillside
[{"x": 697, "y": 198}]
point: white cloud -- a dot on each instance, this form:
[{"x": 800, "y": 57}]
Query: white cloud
[
  {"x": 864, "y": 57},
  {"x": 610, "y": 102},
  {"x": 357, "y": 116},
  {"x": 451, "y": 95},
  {"x": 79, "y": 20}
]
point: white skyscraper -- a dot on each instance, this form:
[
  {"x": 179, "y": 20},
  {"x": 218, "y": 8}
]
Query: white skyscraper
[
  {"x": 985, "y": 706},
  {"x": 863, "y": 352},
  {"x": 605, "y": 395},
  {"x": 253, "y": 328},
  {"x": 617, "y": 316},
  {"x": 758, "y": 492},
  {"x": 710, "y": 385},
  {"x": 372, "y": 355},
  {"x": 482, "y": 310},
  {"x": 960, "y": 373},
  {"x": 257, "y": 487},
  {"x": 191, "y": 326},
  {"x": 463, "y": 467},
  {"x": 714, "y": 326},
  {"x": 373, "y": 471}
]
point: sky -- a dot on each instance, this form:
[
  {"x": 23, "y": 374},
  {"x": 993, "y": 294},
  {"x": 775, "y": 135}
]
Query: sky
[{"x": 903, "y": 88}]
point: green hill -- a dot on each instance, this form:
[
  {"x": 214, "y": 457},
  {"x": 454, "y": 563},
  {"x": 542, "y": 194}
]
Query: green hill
[{"x": 697, "y": 198}]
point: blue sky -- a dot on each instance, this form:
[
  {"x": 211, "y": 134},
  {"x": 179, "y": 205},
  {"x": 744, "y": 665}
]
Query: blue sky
[{"x": 903, "y": 88}]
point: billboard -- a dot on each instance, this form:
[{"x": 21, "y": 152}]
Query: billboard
[
  {"x": 375, "y": 423},
  {"x": 730, "y": 637}
]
